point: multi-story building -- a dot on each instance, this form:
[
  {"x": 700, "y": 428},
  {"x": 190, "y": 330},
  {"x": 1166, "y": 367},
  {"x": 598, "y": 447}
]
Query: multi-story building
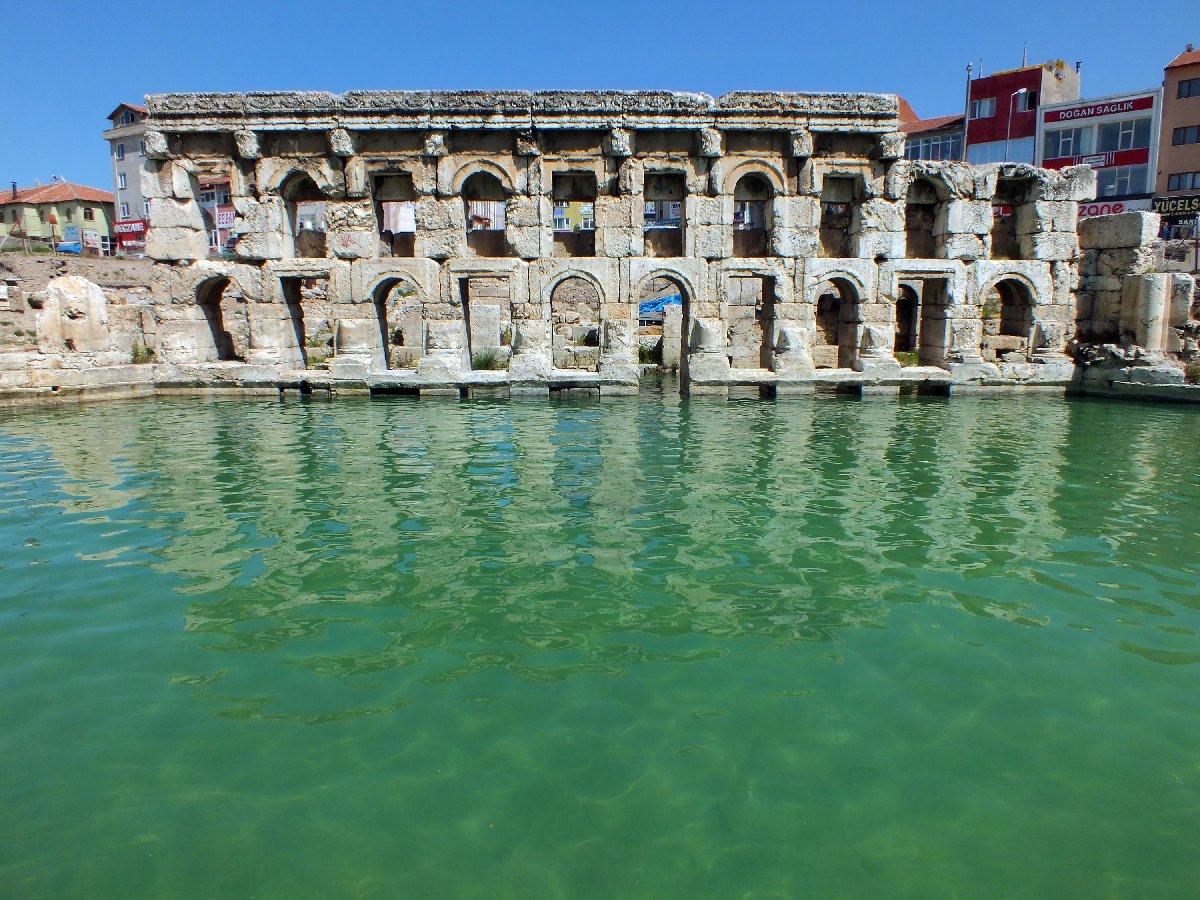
[
  {"x": 216, "y": 207},
  {"x": 1002, "y": 109},
  {"x": 58, "y": 213},
  {"x": 1116, "y": 135},
  {"x": 1177, "y": 192},
  {"x": 127, "y": 150},
  {"x": 940, "y": 137}
]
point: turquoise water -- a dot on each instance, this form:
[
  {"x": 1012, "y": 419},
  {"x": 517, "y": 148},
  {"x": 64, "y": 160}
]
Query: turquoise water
[{"x": 638, "y": 648}]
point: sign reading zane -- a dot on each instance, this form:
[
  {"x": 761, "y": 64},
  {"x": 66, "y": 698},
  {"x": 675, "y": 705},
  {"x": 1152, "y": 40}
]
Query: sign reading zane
[{"x": 1094, "y": 110}]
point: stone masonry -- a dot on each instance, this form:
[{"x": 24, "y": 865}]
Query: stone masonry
[{"x": 412, "y": 239}]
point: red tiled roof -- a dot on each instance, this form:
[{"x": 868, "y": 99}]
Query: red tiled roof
[
  {"x": 920, "y": 126},
  {"x": 56, "y": 192},
  {"x": 1186, "y": 58},
  {"x": 120, "y": 106}
]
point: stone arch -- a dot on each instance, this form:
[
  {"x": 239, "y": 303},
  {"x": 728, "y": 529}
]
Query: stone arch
[
  {"x": 1007, "y": 309},
  {"x": 485, "y": 202},
  {"x": 575, "y": 304},
  {"x": 470, "y": 169},
  {"x": 838, "y": 302},
  {"x": 554, "y": 281},
  {"x": 664, "y": 336},
  {"x": 752, "y": 199},
  {"x": 399, "y": 309},
  {"x": 313, "y": 171},
  {"x": 763, "y": 168},
  {"x": 935, "y": 177},
  {"x": 226, "y": 338},
  {"x": 304, "y": 214},
  {"x": 690, "y": 293}
]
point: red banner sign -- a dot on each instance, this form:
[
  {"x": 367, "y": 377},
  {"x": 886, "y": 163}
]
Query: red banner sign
[
  {"x": 1102, "y": 160},
  {"x": 131, "y": 231},
  {"x": 1094, "y": 110}
]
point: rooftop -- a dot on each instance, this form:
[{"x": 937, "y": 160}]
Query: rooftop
[
  {"x": 1189, "y": 57},
  {"x": 935, "y": 123},
  {"x": 56, "y": 192}
]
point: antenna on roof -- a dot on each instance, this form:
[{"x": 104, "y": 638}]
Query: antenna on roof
[{"x": 1024, "y": 54}]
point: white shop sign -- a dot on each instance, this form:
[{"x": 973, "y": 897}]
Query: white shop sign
[{"x": 1111, "y": 207}]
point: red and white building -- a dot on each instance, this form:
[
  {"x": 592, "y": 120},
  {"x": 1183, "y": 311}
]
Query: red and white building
[{"x": 1117, "y": 136}]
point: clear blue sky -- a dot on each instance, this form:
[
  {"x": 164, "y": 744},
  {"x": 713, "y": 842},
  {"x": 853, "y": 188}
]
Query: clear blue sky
[{"x": 68, "y": 63}]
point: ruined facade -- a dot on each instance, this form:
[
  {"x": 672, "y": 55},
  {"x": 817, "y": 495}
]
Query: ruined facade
[
  {"x": 507, "y": 241},
  {"x": 414, "y": 233}
]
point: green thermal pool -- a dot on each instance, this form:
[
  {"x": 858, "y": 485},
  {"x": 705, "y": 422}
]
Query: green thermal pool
[{"x": 645, "y": 647}]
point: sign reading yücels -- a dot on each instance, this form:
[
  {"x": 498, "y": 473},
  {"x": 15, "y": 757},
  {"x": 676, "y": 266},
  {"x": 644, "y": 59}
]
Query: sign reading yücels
[
  {"x": 1093, "y": 110},
  {"x": 1175, "y": 206}
]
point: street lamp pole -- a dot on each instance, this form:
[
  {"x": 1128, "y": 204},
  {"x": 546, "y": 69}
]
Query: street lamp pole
[{"x": 1008, "y": 133}]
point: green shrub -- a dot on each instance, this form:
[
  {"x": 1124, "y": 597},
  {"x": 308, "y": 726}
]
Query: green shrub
[
  {"x": 650, "y": 356},
  {"x": 142, "y": 354},
  {"x": 908, "y": 358},
  {"x": 1191, "y": 372},
  {"x": 488, "y": 358}
]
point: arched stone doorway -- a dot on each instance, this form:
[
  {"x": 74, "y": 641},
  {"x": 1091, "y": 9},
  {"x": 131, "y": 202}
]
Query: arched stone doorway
[
  {"x": 1007, "y": 313},
  {"x": 838, "y": 325},
  {"x": 575, "y": 324},
  {"x": 486, "y": 204},
  {"x": 752, "y": 196},
  {"x": 305, "y": 207},
  {"x": 401, "y": 326},
  {"x": 224, "y": 311},
  {"x": 663, "y": 310}
]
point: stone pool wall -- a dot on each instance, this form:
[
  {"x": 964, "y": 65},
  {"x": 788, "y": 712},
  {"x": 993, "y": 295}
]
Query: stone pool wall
[{"x": 505, "y": 241}]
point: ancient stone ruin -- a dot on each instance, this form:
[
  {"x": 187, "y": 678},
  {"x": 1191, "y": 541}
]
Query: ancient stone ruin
[{"x": 507, "y": 241}]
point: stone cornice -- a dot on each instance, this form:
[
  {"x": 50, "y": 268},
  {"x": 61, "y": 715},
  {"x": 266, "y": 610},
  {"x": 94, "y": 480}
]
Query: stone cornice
[{"x": 287, "y": 110}]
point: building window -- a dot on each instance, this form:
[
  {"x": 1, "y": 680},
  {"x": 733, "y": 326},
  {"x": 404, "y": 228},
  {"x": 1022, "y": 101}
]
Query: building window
[
  {"x": 1189, "y": 87},
  {"x": 1121, "y": 181},
  {"x": 1187, "y": 135},
  {"x": 1027, "y": 101},
  {"x": 1132, "y": 134},
  {"x": 41, "y": 214},
  {"x": 89, "y": 214},
  {"x": 120, "y": 151},
  {"x": 1183, "y": 181},
  {"x": 983, "y": 109},
  {"x": 208, "y": 196},
  {"x": 124, "y": 210},
  {"x": 943, "y": 146},
  {"x": 121, "y": 181},
  {"x": 1063, "y": 142},
  {"x": 126, "y": 118}
]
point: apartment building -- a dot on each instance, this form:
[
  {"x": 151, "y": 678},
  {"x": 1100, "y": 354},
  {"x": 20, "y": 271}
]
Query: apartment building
[
  {"x": 1115, "y": 135},
  {"x": 1002, "y": 119},
  {"x": 1177, "y": 192},
  {"x": 127, "y": 149}
]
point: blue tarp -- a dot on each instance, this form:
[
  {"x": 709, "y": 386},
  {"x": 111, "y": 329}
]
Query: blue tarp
[
  {"x": 69, "y": 247},
  {"x": 656, "y": 305}
]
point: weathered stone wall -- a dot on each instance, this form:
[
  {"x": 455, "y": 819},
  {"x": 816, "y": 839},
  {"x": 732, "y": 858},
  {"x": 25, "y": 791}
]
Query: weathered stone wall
[{"x": 982, "y": 263}]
